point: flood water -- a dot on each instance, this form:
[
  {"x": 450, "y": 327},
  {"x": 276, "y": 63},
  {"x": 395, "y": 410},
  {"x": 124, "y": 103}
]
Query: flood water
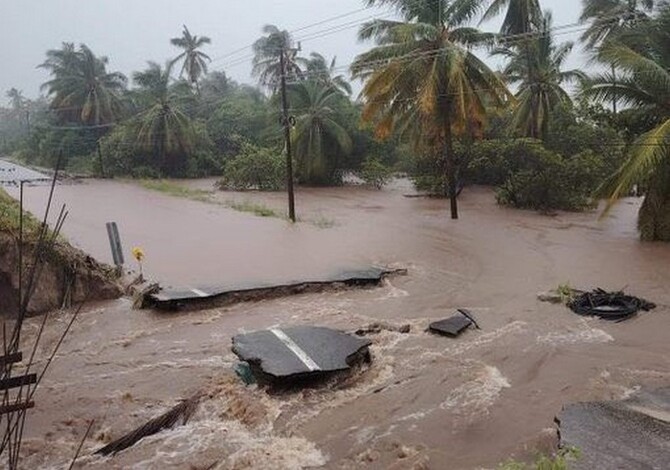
[{"x": 424, "y": 402}]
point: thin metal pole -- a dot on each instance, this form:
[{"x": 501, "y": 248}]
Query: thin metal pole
[
  {"x": 20, "y": 244},
  {"x": 287, "y": 137}
]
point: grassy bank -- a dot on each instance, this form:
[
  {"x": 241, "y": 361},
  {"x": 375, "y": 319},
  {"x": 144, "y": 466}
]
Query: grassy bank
[
  {"x": 260, "y": 210},
  {"x": 174, "y": 189},
  {"x": 9, "y": 217}
]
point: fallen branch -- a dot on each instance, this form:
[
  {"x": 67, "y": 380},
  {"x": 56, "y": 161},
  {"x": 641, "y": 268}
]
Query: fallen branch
[{"x": 182, "y": 412}]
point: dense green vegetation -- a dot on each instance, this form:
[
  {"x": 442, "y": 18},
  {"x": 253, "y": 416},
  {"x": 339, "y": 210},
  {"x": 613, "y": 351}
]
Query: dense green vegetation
[{"x": 430, "y": 106}]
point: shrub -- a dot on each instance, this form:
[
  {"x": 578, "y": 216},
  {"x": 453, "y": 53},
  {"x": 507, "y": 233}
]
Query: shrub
[
  {"x": 427, "y": 175},
  {"x": 492, "y": 162},
  {"x": 254, "y": 168},
  {"x": 553, "y": 182},
  {"x": 375, "y": 173}
]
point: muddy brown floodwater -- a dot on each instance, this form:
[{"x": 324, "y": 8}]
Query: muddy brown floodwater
[{"x": 425, "y": 401}]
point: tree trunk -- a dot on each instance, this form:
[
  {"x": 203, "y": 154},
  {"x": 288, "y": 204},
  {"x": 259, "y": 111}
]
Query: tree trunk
[
  {"x": 450, "y": 163},
  {"x": 614, "y": 98},
  {"x": 534, "y": 117},
  {"x": 654, "y": 217}
]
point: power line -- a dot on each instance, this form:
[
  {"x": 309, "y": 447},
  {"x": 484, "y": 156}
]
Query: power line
[{"x": 302, "y": 28}]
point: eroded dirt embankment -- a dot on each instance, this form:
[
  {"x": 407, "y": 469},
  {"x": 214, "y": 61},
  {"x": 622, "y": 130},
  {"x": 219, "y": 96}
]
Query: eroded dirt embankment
[{"x": 63, "y": 274}]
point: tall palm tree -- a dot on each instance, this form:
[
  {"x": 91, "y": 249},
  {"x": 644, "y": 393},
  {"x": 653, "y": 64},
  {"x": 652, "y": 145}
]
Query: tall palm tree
[
  {"x": 537, "y": 69},
  {"x": 522, "y": 16},
  {"x": 163, "y": 128},
  {"x": 318, "y": 138},
  {"x": 16, "y": 99},
  {"x": 317, "y": 68},
  {"x": 643, "y": 57},
  {"x": 81, "y": 88},
  {"x": 194, "y": 60},
  {"x": 423, "y": 80},
  {"x": 267, "y": 58},
  {"x": 606, "y": 19}
]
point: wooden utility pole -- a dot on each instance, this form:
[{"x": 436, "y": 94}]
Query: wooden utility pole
[
  {"x": 28, "y": 121},
  {"x": 287, "y": 136}
]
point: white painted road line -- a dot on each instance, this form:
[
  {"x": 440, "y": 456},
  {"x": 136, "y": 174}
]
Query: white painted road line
[
  {"x": 297, "y": 350},
  {"x": 199, "y": 293}
]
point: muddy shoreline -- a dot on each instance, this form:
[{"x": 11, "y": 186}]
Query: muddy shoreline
[{"x": 424, "y": 402}]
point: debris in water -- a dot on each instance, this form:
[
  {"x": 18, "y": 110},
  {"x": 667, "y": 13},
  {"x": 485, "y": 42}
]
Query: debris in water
[
  {"x": 633, "y": 433},
  {"x": 615, "y": 306},
  {"x": 378, "y": 327},
  {"x": 286, "y": 355},
  {"x": 141, "y": 291},
  {"x": 455, "y": 325},
  {"x": 183, "y": 411},
  {"x": 551, "y": 296},
  {"x": 243, "y": 371}
]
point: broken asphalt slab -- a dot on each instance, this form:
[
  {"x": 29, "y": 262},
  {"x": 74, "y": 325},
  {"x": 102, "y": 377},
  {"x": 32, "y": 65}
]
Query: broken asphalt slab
[
  {"x": 287, "y": 355},
  {"x": 204, "y": 297},
  {"x": 455, "y": 325},
  {"x": 631, "y": 434}
]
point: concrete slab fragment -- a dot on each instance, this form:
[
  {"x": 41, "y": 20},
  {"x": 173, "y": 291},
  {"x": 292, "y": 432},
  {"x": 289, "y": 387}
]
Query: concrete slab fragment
[
  {"x": 631, "y": 434},
  {"x": 205, "y": 296},
  {"x": 281, "y": 354}
]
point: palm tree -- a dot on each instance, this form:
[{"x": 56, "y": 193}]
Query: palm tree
[
  {"x": 318, "y": 137},
  {"x": 607, "y": 18},
  {"x": 317, "y": 68},
  {"x": 423, "y": 80},
  {"x": 81, "y": 88},
  {"x": 16, "y": 99},
  {"x": 268, "y": 52},
  {"x": 194, "y": 61},
  {"x": 523, "y": 16},
  {"x": 537, "y": 69},
  {"x": 643, "y": 57},
  {"x": 163, "y": 128}
]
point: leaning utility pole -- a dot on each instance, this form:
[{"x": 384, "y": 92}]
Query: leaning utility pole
[{"x": 286, "y": 122}]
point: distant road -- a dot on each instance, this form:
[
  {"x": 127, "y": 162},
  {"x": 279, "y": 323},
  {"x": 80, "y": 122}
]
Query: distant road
[{"x": 11, "y": 173}]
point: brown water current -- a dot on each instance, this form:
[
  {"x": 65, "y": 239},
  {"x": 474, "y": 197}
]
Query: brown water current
[{"x": 424, "y": 402}]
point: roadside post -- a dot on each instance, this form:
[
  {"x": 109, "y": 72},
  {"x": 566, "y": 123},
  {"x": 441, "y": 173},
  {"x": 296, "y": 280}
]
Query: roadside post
[{"x": 115, "y": 244}]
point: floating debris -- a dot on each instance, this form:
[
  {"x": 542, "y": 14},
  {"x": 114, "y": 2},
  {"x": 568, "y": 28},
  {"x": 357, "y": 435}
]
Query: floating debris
[
  {"x": 378, "y": 327},
  {"x": 632, "y": 433},
  {"x": 243, "y": 371},
  {"x": 455, "y": 325},
  {"x": 615, "y": 306},
  {"x": 284, "y": 356},
  {"x": 182, "y": 412}
]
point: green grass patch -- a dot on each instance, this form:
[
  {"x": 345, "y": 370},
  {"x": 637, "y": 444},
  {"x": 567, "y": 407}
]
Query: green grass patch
[
  {"x": 174, "y": 189},
  {"x": 253, "y": 208},
  {"x": 560, "y": 461},
  {"x": 9, "y": 217},
  {"x": 566, "y": 292}
]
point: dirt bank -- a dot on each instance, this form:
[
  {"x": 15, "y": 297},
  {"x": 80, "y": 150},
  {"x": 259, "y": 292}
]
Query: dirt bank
[{"x": 67, "y": 275}]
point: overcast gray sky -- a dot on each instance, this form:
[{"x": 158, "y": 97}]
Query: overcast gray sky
[{"x": 131, "y": 32}]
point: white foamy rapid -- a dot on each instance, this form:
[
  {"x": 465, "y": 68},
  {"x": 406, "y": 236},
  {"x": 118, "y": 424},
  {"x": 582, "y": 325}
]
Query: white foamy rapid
[{"x": 475, "y": 396}]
